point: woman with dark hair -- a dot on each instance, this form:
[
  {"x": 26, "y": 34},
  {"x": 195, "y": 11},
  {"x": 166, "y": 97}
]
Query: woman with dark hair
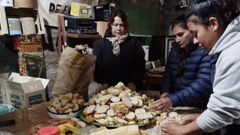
[
  {"x": 186, "y": 81},
  {"x": 215, "y": 24},
  {"x": 123, "y": 17},
  {"x": 120, "y": 57}
]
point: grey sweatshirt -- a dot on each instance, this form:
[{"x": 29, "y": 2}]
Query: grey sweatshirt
[{"x": 224, "y": 104}]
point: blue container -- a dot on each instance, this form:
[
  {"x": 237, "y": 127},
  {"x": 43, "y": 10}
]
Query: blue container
[{"x": 14, "y": 26}]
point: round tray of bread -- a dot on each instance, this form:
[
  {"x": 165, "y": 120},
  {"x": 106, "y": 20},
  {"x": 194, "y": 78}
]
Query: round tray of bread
[
  {"x": 65, "y": 106},
  {"x": 118, "y": 106}
]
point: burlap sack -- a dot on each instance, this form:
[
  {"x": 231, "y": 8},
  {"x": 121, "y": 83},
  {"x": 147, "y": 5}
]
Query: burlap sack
[{"x": 75, "y": 72}]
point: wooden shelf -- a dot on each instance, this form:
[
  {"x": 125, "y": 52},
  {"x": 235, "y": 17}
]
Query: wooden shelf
[
  {"x": 89, "y": 36},
  {"x": 21, "y": 12}
]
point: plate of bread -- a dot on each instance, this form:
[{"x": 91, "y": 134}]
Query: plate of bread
[
  {"x": 118, "y": 106},
  {"x": 65, "y": 106}
]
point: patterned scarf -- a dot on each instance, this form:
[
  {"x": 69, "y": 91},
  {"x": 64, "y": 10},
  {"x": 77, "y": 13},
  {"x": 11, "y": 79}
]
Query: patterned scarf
[{"x": 116, "y": 41}]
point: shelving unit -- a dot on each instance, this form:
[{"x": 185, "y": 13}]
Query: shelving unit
[
  {"x": 29, "y": 46},
  {"x": 6, "y": 12}
]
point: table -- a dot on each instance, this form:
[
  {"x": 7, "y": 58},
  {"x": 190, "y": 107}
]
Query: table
[
  {"x": 153, "y": 78},
  {"x": 33, "y": 115},
  {"x": 25, "y": 118}
]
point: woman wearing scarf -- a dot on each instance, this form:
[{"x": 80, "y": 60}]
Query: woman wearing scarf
[{"x": 120, "y": 58}]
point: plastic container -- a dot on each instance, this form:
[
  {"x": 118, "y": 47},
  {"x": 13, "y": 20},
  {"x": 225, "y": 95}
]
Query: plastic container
[
  {"x": 49, "y": 130},
  {"x": 6, "y": 108}
]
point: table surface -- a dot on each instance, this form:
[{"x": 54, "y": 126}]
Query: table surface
[
  {"x": 33, "y": 115},
  {"x": 26, "y": 118}
]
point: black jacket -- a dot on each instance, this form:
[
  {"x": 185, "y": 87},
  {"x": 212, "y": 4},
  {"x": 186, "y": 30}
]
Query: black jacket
[{"x": 127, "y": 67}]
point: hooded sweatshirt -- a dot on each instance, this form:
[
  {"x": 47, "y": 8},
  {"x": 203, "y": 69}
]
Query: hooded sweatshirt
[{"x": 224, "y": 104}]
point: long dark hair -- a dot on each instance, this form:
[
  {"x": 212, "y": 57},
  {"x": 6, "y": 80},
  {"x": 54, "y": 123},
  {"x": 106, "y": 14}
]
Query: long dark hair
[
  {"x": 183, "y": 53},
  {"x": 179, "y": 21},
  {"x": 122, "y": 15},
  {"x": 225, "y": 11}
]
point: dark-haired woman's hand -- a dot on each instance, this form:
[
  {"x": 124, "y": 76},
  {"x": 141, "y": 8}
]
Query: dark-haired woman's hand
[
  {"x": 163, "y": 104},
  {"x": 172, "y": 128}
]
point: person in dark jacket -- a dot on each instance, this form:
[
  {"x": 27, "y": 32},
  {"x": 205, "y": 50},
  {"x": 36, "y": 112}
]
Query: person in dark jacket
[
  {"x": 120, "y": 57},
  {"x": 187, "y": 80}
]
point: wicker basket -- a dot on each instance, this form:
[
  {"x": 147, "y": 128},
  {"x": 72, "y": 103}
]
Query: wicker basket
[{"x": 25, "y": 3}]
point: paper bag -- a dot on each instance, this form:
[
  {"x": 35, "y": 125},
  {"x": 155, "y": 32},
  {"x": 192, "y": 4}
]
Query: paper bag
[{"x": 75, "y": 72}]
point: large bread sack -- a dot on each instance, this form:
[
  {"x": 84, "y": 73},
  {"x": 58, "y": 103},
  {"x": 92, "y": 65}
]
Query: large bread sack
[{"x": 75, "y": 72}]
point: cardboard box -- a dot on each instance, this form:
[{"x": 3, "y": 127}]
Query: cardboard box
[
  {"x": 81, "y": 10},
  {"x": 23, "y": 91},
  {"x": 3, "y": 80},
  {"x": 2, "y": 92},
  {"x": 102, "y": 27},
  {"x": 31, "y": 48}
]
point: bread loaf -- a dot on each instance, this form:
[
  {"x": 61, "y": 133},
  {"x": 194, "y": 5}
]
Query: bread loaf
[{"x": 126, "y": 130}]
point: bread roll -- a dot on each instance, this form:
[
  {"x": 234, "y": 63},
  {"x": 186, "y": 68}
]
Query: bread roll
[
  {"x": 130, "y": 116},
  {"x": 110, "y": 113},
  {"x": 115, "y": 99},
  {"x": 114, "y": 91},
  {"x": 102, "y": 109},
  {"x": 88, "y": 110},
  {"x": 99, "y": 116}
]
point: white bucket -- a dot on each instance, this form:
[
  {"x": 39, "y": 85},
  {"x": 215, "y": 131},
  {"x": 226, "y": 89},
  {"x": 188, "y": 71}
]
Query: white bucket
[{"x": 28, "y": 25}]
